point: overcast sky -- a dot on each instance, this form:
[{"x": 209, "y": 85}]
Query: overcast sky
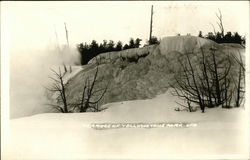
[{"x": 33, "y": 24}]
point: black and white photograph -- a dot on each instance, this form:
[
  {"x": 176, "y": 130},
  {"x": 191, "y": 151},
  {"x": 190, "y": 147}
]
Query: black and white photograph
[{"x": 95, "y": 80}]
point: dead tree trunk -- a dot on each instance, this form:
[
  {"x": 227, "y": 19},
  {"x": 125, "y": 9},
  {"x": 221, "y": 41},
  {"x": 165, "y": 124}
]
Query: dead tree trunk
[
  {"x": 151, "y": 25},
  {"x": 195, "y": 84},
  {"x": 67, "y": 38},
  {"x": 58, "y": 87},
  {"x": 238, "y": 88},
  {"x": 214, "y": 71},
  {"x": 205, "y": 75},
  {"x": 220, "y": 23},
  {"x": 239, "y": 85},
  {"x": 66, "y": 32}
]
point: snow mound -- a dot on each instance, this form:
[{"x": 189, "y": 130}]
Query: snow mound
[
  {"x": 219, "y": 132},
  {"x": 191, "y": 43},
  {"x": 183, "y": 43}
]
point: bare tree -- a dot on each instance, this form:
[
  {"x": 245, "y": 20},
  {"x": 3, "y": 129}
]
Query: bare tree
[
  {"x": 213, "y": 28},
  {"x": 204, "y": 79},
  {"x": 207, "y": 86},
  {"x": 89, "y": 100},
  {"x": 58, "y": 87},
  {"x": 214, "y": 70},
  {"x": 91, "y": 95},
  {"x": 240, "y": 82},
  {"x": 220, "y": 23},
  {"x": 220, "y": 73},
  {"x": 186, "y": 86}
]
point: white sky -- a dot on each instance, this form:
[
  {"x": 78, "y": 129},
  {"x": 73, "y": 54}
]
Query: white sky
[{"x": 30, "y": 25}]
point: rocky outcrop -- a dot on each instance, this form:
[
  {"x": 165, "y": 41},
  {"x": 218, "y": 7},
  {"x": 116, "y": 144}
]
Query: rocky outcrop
[
  {"x": 140, "y": 73},
  {"x": 128, "y": 54}
]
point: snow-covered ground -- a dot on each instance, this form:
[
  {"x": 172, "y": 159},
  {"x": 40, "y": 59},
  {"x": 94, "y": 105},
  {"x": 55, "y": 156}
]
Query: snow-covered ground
[{"x": 219, "y": 133}]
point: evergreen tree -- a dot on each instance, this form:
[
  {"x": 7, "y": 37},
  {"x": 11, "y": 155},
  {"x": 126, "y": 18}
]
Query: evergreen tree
[
  {"x": 219, "y": 38},
  {"x": 237, "y": 38},
  {"x": 210, "y": 36},
  {"x": 94, "y": 47},
  {"x": 137, "y": 43},
  {"x": 153, "y": 40},
  {"x": 118, "y": 46},
  {"x": 131, "y": 43},
  {"x": 110, "y": 46},
  {"x": 125, "y": 47},
  {"x": 105, "y": 44},
  {"x": 228, "y": 38},
  {"x": 200, "y": 34},
  {"x": 101, "y": 48}
]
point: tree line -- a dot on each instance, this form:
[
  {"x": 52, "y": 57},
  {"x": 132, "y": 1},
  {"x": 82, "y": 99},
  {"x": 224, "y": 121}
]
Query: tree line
[
  {"x": 220, "y": 36},
  {"x": 89, "y": 51},
  {"x": 229, "y": 37}
]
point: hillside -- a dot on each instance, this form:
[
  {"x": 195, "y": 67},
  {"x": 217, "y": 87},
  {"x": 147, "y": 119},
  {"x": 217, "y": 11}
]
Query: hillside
[{"x": 141, "y": 73}]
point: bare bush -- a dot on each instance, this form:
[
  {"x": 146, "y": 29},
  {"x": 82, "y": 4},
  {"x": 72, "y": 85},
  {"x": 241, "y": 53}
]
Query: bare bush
[
  {"x": 204, "y": 79},
  {"x": 186, "y": 85},
  {"x": 91, "y": 95},
  {"x": 89, "y": 100}
]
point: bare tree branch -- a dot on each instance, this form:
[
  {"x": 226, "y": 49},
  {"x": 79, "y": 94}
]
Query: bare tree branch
[{"x": 59, "y": 87}]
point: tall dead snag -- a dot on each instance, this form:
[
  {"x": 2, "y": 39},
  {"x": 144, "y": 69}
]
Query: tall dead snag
[
  {"x": 91, "y": 94},
  {"x": 220, "y": 23},
  {"x": 151, "y": 24},
  {"x": 67, "y": 38},
  {"x": 58, "y": 87},
  {"x": 66, "y": 32}
]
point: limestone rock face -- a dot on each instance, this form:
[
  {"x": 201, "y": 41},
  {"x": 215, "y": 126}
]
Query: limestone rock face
[
  {"x": 141, "y": 73},
  {"x": 133, "y": 53}
]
